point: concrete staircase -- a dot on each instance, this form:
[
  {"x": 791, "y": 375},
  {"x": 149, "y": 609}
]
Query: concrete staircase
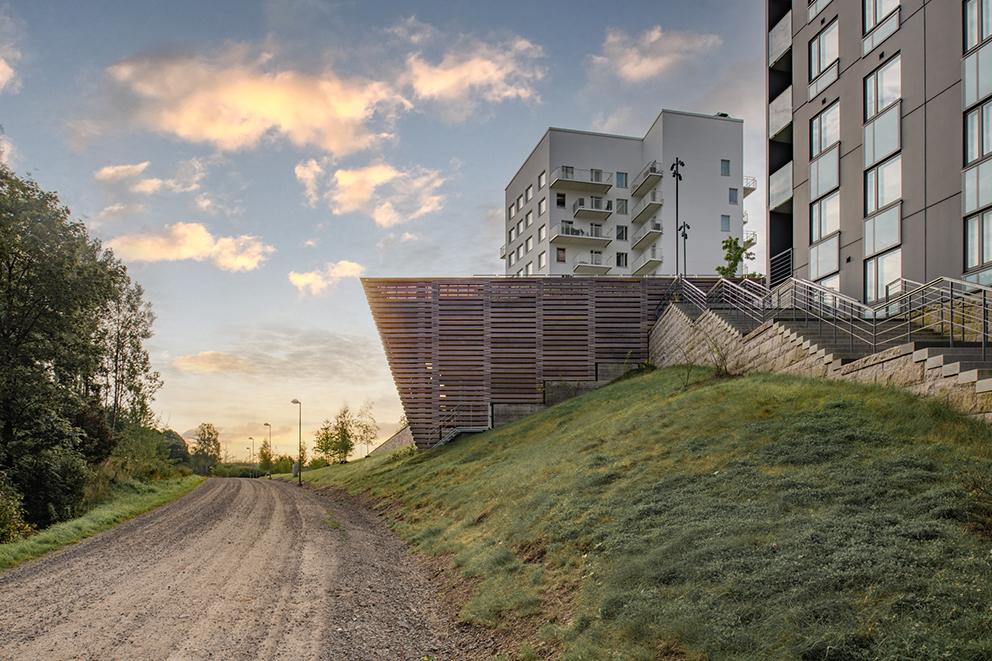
[{"x": 960, "y": 364}]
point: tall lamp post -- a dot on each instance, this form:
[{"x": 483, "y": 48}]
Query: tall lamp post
[
  {"x": 677, "y": 175},
  {"x": 251, "y": 457},
  {"x": 684, "y": 230},
  {"x": 271, "y": 453},
  {"x": 299, "y": 449}
]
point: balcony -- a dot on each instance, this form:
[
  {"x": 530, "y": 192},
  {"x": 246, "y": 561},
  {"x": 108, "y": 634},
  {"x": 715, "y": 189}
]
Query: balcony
[
  {"x": 592, "y": 208},
  {"x": 646, "y": 236},
  {"x": 588, "y": 181},
  {"x": 780, "y": 114},
  {"x": 591, "y": 264},
  {"x": 647, "y": 207},
  {"x": 647, "y": 179},
  {"x": 566, "y": 234},
  {"x": 647, "y": 264},
  {"x": 780, "y": 39},
  {"x": 780, "y": 189},
  {"x": 750, "y": 185}
]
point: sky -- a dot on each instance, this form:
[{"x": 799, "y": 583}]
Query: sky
[{"x": 250, "y": 161}]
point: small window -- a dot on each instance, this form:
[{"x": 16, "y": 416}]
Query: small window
[
  {"x": 883, "y": 87},
  {"x": 520, "y": 273},
  {"x": 978, "y": 241},
  {"x": 529, "y": 218},
  {"x": 877, "y": 11},
  {"x": 622, "y": 260},
  {"x": 542, "y": 206},
  {"x": 542, "y": 179},
  {"x": 595, "y": 229},
  {"x": 734, "y": 194},
  {"x": 824, "y": 217},
  {"x": 520, "y": 227},
  {"x": 542, "y": 260},
  {"x": 621, "y": 180},
  {"x": 881, "y": 273},
  {"x": 560, "y": 200},
  {"x": 621, "y": 232},
  {"x": 977, "y": 22},
  {"x": 513, "y": 234},
  {"x": 520, "y": 203},
  {"x": 724, "y": 223},
  {"x": 883, "y": 231},
  {"x": 520, "y": 251},
  {"x": 509, "y": 212},
  {"x": 824, "y": 130},
  {"x": 542, "y": 232},
  {"x": 824, "y": 50},
  {"x": 529, "y": 269},
  {"x": 883, "y": 185},
  {"x": 512, "y": 258},
  {"x": 724, "y": 168},
  {"x": 621, "y": 206},
  {"x": 530, "y": 243},
  {"x": 560, "y": 255},
  {"x": 529, "y": 193}
]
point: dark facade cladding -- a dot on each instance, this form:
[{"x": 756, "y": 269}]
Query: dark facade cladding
[
  {"x": 470, "y": 353},
  {"x": 870, "y": 180}
]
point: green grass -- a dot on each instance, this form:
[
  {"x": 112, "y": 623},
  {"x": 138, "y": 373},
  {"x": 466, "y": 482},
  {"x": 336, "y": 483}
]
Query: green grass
[
  {"x": 125, "y": 502},
  {"x": 759, "y": 517}
]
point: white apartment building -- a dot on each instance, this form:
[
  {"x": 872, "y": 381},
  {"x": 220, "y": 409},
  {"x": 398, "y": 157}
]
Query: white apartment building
[{"x": 586, "y": 203}]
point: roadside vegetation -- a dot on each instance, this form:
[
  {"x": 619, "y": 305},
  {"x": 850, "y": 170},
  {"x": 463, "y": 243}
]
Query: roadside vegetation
[
  {"x": 76, "y": 383},
  {"x": 668, "y": 516}
]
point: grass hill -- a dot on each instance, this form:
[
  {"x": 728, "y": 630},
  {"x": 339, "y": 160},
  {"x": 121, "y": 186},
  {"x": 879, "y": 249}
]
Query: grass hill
[{"x": 758, "y": 517}]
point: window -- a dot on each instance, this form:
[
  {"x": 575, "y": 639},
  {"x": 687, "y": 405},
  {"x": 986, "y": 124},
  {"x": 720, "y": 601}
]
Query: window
[
  {"x": 542, "y": 179},
  {"x": 560, "y": 200},
  {"x": 621, "y": 232},
  {"x": 824, "y": 130},
  {"x": 824, "y": 258},
  {"x": 520, "y": 227},
  {"x": 978, "y": 186},
  {"x": 509, "y": 212},
  {"x": 824, "y": 217},
  {"x": 978, "y": 133},
  {"x": 978, "y": 241},
  {"x": 596, "y": 257},
  {"x": 880, "y": 272},
  {"x": 520, "y": 273},
  {"x": 529, "y": 218},
  {"x": 560, "y": 255},
  {"x": 832, "y": 283},
  {"x": 883, "y": 185},
  {"x": 883, "y": 136},
  {"x": 883, "y": 87},
  {"x": 621, "y": 206},
  {"x": 530, "y": 243},
  {"x": 977, "y": 22},
  {"x": 724, "y": 167},
  {"x": 513, "y": 234},
  {"x": 978, "y": 75},
  {"x": 883, "y": 231},
  {"x": 542, "y": 232},
  {"x": 529, "y": 269},
  {"x": 621, "y": 180},
  {"x": 596, "y": 175},
  {"x": 733, "y": 195},
  {"x": 595, "y": 229},
  {"x": 542, "y": 260},
  {"x": 877, "y": 11},
  {"x": 824, "y": 173},
  {"x": 520, "y": 252},
  {"x": 622, "y": 260},
  {"x": 542, "y": 206},
  {"x": 823, "y": 51},
  {"x": 520, "y": 203},
  {"x": 511, "y": 260},
  {"x": 529, "y": 193},
  {"x": 724, "y": 223}
]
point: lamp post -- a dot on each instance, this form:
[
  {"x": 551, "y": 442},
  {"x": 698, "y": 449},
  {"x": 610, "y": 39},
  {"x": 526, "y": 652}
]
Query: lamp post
[
  {"x": 299, "y": 450},
  {"x": 271, "y": 453},
  {"x": 251, "y": 457},
  {"x": 677, "y": 175},
  {"x": 684, "y": 230}
]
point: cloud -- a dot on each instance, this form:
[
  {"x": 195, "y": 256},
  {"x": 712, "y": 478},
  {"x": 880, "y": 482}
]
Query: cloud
[
  {"x": 308, "y": 173},
  {"x": 207, "y": 362},
  {"x": 315, "y": 282},
  {"x": 11, "y": 31},
  {"x": 185, "y": 241},
  {"x": 119, "y": 172},
  {"x": 393, "y": 238},
  {"x": 474, "y": 72},
  {"x": 653, "y": 53},
  {"x": 232, "y": 101},
  {"x": 115, "y": 211},
  {"x": 208, "y": 204},
  {"x": 8, "y": 154},
  {"x": 620, "y": 120}
]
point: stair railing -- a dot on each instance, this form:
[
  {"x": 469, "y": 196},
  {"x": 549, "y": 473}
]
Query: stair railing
[{"x": 729, "y": 294}]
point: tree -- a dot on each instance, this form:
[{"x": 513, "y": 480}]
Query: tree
[
  {"x": 176, "y": 447},
  {"x": 335, "y": 440},
  {"x": 366, "y": 429},
  {"x": 734, "y": 254},
  {"x": 206, "y": 448},
  {"x": 265, "y": 457}
]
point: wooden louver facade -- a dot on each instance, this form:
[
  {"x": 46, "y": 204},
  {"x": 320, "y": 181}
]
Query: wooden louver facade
[{"x": 460, "y": 348}]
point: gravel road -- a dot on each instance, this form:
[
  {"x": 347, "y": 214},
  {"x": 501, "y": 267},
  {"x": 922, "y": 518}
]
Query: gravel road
[{"x": 237, "y": 569}]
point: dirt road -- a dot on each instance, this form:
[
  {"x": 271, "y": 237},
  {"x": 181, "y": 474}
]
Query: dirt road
[{"x": 236, "y": 569}]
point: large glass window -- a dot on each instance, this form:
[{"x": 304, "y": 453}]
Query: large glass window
[
  {"x": 823, "y": 51},
  {"x": 977, "y": 22},
  {"x": 978, "y": 75},
  {"x": 824, "y": 173},
  {"x": 880, "y": 273},
  {"x": 824, "y": 258},
  {"x": 978, "y": 133},
  {"x": 883, "y": 136},
  {"x": 883, "y": 231},
  {"x": 883, "y": 87},
  {"x": 978, "y": 241},
  {"x": 978, "y": 186},
  {"x": 883, "y": 185},
  {"x": 876, "y": 11},
  {"x": 824, "y": 130},
  {"x": 824, "y": 217}
]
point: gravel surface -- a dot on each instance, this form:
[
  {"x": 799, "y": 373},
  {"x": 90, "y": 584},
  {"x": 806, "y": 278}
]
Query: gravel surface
[{"x": 236, "y": 569}]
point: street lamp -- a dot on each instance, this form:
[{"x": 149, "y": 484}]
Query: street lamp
[
  {"x": 684, "y": 229},
  {"x": 677, "y": 174},
  {"x": 271, "y": 453},
  {"x": 251, "y": 457},
  {"x": 299, "y": 450}
]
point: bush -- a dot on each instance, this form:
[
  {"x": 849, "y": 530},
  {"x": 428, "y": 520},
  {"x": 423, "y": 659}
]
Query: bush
[
  {"x": 12, "y": 525},
  {"x": 53, "y": 482},
  {"x": 140, "y": 454}
]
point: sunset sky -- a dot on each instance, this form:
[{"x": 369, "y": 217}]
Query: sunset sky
[{"x": 249, "y": 161}]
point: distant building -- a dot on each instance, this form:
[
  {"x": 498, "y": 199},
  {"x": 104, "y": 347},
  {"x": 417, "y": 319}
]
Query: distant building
[{"x": 588, "y": 203}]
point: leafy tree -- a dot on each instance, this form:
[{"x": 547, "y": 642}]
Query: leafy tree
[
  {"x": 366, "y": 428},
  {"x": 265, "y": 457},
  {"x": 282, "y": 464},
  {"x": 734, "y": 254},
  {"x": 12, "y": 525},
  {"x": 206, "y": 448},
  {"x": 176, "y": 446},
  {"x": 335, "y": 440}
]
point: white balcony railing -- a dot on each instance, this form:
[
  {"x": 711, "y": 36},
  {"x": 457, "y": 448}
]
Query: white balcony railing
[
  {"x": 652, "y": 172},
  {"x": 652, "y": 227},
  {"x": 592, "y": 204},
  {"x": 651, "y": 202},
  {"x": 567, "y": 173},
  {"x": 780, "y": 39},
  {"x": 573, "y": 231},
  {"x": 780, "y": 112},
  {"x": 643, "y": 261}
]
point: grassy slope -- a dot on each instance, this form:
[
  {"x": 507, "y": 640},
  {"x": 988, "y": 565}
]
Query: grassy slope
[
  {"x": 125, "y": 503},
  {"x": 761, "y": 517}
]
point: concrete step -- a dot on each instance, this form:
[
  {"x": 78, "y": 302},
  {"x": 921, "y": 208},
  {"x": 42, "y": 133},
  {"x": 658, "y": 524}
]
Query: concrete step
[
  {"x": 975, "y": 375},
  {"x": 954, "y": 369},
  {"x": 983, "y": 385},
  {"x": 928, "y": 353}
]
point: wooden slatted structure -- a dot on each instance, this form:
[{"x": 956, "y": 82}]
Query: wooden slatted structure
[{"x": 458, "y": 346}]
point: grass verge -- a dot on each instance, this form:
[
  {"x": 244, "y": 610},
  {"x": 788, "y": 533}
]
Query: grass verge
[
  {"x": 125, "y": 502},
  {"x": 761, "y": 517}
]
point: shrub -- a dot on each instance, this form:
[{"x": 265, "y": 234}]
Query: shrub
[
  {"x": 12, "y": 525},
  {"x": 53, "y": 483}
]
